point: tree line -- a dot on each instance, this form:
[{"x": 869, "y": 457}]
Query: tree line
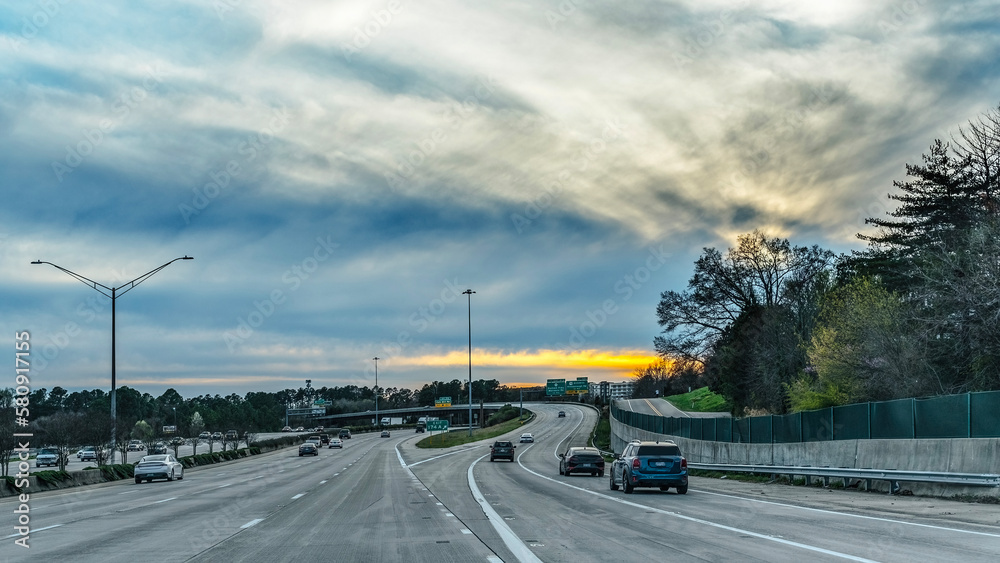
[
  {"x": 65, "y": 418},
  {"x": 779, "y": 328}
]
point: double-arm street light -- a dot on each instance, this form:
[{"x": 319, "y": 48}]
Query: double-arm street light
[
  {"x": 114, "y": 294},
  {"x": 469, "y": 292}
]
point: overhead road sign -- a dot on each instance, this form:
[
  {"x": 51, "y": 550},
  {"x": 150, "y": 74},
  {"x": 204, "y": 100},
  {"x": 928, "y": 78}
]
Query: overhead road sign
[
  {"x": 555, "y": 387},
  {"x": 442, "y": 402}
]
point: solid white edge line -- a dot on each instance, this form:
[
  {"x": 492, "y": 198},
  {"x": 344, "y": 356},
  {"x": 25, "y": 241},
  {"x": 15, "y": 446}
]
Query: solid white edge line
[
  {"x": 253, "y": 522},
  {"x": 836, "y": 513},
  {"x": 698, "y": 520},
  {"x": 510, "y": 539},
  {"x": 164, "y": 500}
]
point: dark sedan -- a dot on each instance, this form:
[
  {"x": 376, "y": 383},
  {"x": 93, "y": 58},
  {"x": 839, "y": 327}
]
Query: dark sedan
[{"x": 581, "y": 460}]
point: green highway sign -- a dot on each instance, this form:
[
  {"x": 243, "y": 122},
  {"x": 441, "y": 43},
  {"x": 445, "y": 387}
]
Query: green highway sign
[
  {"x": 437, "y": 425},
  {"x": 555, "y": 387},
  {"x": 442, "y": 402},
  {"x": 578, "y": 387}
]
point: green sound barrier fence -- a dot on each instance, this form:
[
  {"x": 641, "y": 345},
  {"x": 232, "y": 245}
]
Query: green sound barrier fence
[{"x": 970, "y": 415}]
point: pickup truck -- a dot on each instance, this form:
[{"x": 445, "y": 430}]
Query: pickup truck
[{"x": 502, "y": 450}]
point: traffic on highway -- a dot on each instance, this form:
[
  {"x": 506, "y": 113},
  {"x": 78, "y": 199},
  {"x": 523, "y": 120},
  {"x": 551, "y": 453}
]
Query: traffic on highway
[{"x": 554, "y": 499}]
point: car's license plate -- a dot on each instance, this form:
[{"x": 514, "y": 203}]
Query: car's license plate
[
  {"x": 584, "y": 465},
  {"x": 659, "y": 464}
]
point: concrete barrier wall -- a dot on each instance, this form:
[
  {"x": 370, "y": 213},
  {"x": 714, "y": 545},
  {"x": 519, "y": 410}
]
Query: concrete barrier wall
[{"x": 960, "y": 455}]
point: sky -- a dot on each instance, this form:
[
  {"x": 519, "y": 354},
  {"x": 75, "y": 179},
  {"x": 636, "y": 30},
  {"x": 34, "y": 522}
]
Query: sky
[{"x": 341, "y": 172}]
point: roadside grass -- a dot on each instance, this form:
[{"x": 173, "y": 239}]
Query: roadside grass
[
  {"x": 700, "y": 400},
  {"x": 601, "y": 438},
  {"x": 459, "y": 437}
]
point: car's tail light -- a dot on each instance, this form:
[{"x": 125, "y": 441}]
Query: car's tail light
[
  {"x": 684, "y": 463},
  {"x": 635, "y": 463}
]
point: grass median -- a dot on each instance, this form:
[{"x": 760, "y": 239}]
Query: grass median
[{"x": 459, "y": 437}]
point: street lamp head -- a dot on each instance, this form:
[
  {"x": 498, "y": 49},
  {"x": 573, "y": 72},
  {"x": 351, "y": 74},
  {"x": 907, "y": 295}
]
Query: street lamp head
[
  {"x": 37, "y": 262},
  {"x": 186, "y": 257},
  {"x": 468, "y": 292}
]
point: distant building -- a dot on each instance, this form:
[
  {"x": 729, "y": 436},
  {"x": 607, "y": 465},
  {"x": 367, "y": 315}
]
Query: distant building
[{"x": 608, "y": 390}]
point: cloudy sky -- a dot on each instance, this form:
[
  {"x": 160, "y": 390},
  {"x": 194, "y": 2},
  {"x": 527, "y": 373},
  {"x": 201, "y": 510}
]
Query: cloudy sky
[{"x": 342, "y": 171}]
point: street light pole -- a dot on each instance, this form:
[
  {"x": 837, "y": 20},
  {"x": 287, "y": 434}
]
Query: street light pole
[
  {"x": 377, "y": 421},
  {"x": 469, "y": 292},
  {"x": 114, "y": 295}
]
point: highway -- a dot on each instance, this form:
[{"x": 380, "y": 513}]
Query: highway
[
  {"x": 383, "y": 499},
  {"x": 660, "y": 407}
]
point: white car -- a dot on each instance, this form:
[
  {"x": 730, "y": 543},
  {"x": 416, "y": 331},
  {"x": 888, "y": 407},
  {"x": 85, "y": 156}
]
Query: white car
[
  {"x": 163, "y": 466},
  {"x": 87, "y": 454},
  {"x": 136, "y": 446},
  {"x": 336, "y": 443},
  {"x": 527, "y": 437}
]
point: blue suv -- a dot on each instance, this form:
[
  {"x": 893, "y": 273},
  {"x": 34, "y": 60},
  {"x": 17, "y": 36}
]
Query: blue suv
[{"x": 650, "y": 464}]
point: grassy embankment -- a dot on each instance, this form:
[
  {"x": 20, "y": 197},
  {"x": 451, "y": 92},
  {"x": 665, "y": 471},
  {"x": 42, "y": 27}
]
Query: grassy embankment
[
  {"x": 700, "y": 400},
  {"x": 459, "y": 437}
]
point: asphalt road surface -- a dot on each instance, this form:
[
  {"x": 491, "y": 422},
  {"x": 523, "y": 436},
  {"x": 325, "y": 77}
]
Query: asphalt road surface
[
  {"x": 383, "y": 499},
  {"x": 661, "y": 407}
]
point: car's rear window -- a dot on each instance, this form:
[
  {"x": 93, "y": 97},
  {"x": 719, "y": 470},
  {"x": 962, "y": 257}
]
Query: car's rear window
[
  {"x": 503, "y": 444},
  {"x": 659, "y": 450}
]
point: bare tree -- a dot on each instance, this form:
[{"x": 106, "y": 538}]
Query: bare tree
[
  {"x": 7, "y": 441},
  {"x": 61, "y": 430},
  {"x": 197, "y": 427}
]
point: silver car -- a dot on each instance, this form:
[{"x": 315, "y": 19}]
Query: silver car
[{"x": 164, "y": 466}]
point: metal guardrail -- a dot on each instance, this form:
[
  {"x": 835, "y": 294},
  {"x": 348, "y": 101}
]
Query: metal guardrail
[{"x": 893, "y": 476}]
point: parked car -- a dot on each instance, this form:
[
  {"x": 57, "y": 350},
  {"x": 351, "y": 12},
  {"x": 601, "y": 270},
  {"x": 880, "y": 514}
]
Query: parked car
[
  {"x": 177, "y": 441},
  {"x": 286, "y": 429},
  {"x": 345, "y": 434},
  {"x": 562, "y": 414},
  {"x": 650, "y": 464},
  {"x": 336, "y": 443},
  {"x": 300, "y": 429},
  {"x": 385, "y": 434},
  {"x": 216, "y": 436},
  {"x": 157, "y": 449},
  {"x": 205, "y": 435},
  {"x": 135, "y": 446},
  {"x": 88, "y": 453},
  {"x": 49, "y": 456},
  {"x": 502, "y": 450},
  {"x": 308, "y": 448},
  {"x": 163, "y": 466},
  {"x": 527, "y": 438},
  {"x": 581, "y": 460},
  {"x": 232, "y": 436}
]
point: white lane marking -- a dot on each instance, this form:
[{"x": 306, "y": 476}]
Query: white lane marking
[
  {"x": 700, "y": 521},
  {"x": 834, "y": 512},
  {"x": 322, "y": 482},
  {"x": 253, "y": 522},
  {"x": 466, "y": 531},
  {"x": 510, "y": 539},
  {"x": 438, "y": 503},
  {"x": 223, "y": 486},
  {"x": 443, "y": 455},
  {"x": 164, "y": 500},
  {"x": 34, "y": 531},
  {"x": 555, "y": 452},
  {"x": 298, "y": 496}
]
